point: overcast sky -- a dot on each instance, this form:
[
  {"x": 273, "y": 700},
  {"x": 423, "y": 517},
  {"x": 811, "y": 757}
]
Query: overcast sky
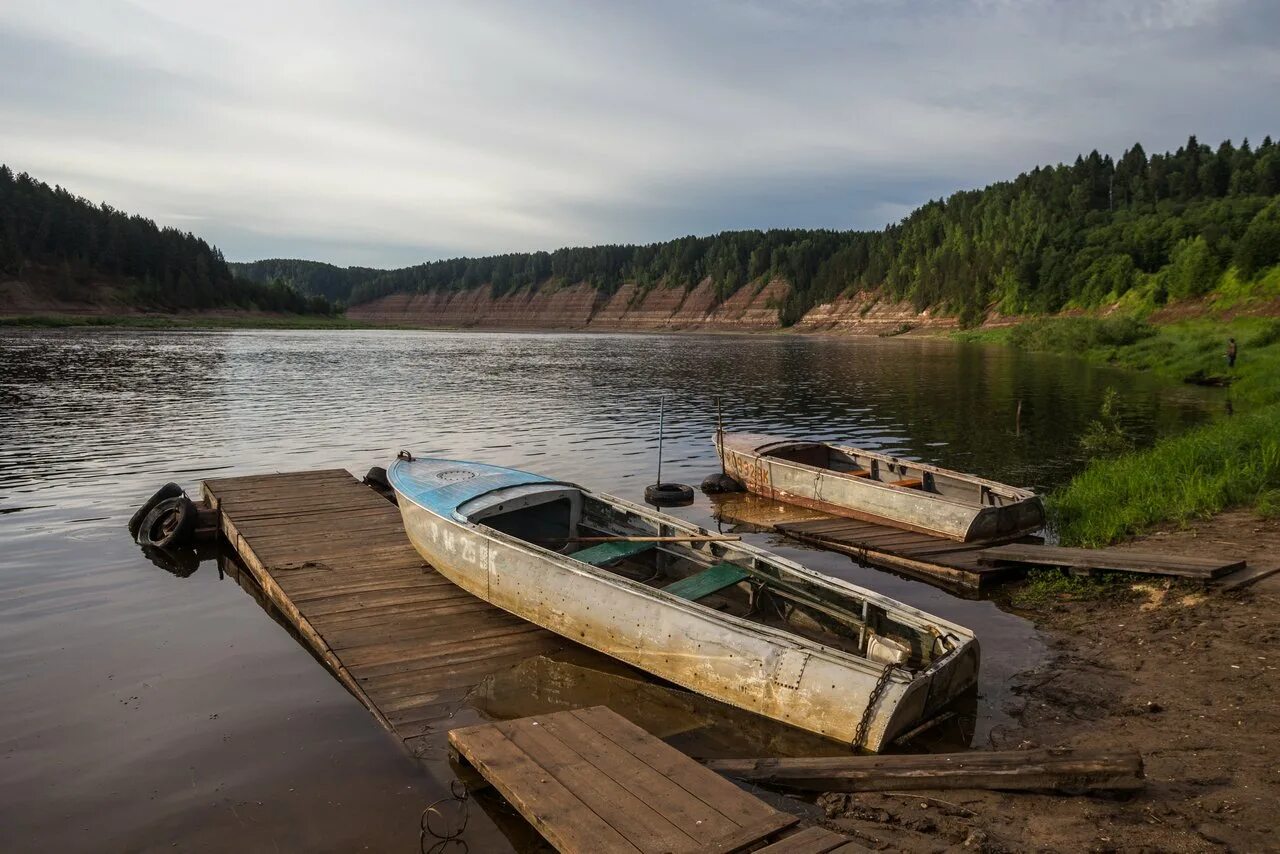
[{"x": 388, "y": 133}]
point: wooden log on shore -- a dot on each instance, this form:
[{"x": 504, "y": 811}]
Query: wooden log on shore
[{"x": 1062, "y": 770}]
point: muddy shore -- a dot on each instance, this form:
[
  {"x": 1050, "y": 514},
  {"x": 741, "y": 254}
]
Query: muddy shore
[{"x": 1187, "y": 677}]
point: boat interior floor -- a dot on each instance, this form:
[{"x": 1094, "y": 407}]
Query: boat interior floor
[{"x": 724, "y": 586}]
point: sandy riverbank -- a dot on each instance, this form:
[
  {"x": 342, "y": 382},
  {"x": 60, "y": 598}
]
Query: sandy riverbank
[{"x": 1188, "y": 678}]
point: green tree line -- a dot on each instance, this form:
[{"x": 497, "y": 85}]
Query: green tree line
[
  {"x": 311, "y": 277},
  {"x": 62, "y": 242},
  {"x": 1079, "y": 234}
]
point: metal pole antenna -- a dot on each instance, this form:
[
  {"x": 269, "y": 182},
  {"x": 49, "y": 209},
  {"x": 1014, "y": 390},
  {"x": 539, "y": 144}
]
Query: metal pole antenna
[
  {"x": 662, "y": 416},
  {"x": 720, "y": 430}
]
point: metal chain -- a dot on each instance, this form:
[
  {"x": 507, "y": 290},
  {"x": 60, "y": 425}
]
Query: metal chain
[{"x": 860, "y": 734}]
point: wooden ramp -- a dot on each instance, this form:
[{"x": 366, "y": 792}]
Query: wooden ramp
[
  {"x": 1109, "y": 560},
  {"x": 591, "y": 781},
  {"x": 333, "y": 557},
  {"x": 944, "y": 563}
]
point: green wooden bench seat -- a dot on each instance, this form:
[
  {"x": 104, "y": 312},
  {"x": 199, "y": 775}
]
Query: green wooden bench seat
[
  {"x": 704, "y": 583},
  {"x": 607, "y": 553}
]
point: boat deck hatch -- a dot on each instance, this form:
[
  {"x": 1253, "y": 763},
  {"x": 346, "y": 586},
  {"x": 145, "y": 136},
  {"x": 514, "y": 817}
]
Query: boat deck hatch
[
  {"x": 710, "y": 580},
  {"x": 607, "y": 553}
]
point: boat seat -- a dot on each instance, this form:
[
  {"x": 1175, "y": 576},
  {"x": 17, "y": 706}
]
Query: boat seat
[
  {"x": 607, "y": 553},
  {"x": 710, "y": 580},
  {"x": 908, "y": 483}
]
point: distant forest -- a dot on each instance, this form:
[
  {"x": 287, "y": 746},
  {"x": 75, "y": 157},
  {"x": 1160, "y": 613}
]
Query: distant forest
[
  {"x": 1139, "y": 229},
  {"x": 312, "y": 277},
  {"x": 1142, "y": 228},
  {"x": 70, "y": 246}
]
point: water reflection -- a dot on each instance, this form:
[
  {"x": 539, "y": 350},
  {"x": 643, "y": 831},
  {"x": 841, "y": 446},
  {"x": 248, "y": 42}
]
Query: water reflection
[{"x": 189, "y": 716}]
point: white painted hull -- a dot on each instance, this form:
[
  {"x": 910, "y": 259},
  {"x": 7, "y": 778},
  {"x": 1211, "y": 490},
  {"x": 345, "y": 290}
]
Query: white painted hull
[{"x": 755, "y": 667}]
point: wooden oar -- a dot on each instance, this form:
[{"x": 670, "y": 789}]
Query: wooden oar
[{"x": 728, "y": 538}]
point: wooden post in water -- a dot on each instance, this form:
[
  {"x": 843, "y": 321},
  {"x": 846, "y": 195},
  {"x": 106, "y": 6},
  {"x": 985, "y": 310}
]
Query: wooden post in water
[{"x": 1017, "y": 420}]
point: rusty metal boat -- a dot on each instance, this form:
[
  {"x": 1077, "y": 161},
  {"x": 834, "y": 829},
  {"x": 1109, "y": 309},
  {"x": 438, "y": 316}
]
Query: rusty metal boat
[
  {"x": 880, "y": 488},
  {"x": 710, "y": 613}
]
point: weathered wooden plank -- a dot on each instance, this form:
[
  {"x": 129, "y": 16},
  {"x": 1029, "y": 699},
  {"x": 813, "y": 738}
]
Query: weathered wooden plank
[
  {"x": 642, "y": 824},
  {"x": 593, "y": 769},
  {"x": 718, "y": 793},
  {"x": 547, "y": 804},
  {"x": 1062, "y": 770},
  {"x": 812, "y": 840},
  {"x": 750, "y": 834},
  {"x": 1110, "y": 560},
  {"x": 1243, "y": 577},
  {"x": 689, "y": 814}
]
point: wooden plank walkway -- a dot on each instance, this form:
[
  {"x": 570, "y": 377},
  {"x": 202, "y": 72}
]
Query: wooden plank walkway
[
  {"x": 333, "y": 557},
  {"x": 1109, "y": 560},
  {"x": 591, "y": 781},
  {"x": 942, "y": 562}
]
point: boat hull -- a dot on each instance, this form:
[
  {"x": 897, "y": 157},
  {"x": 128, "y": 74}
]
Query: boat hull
[
  {"x": 871, "y": 501},
  {"x": 754, "y": 667}
]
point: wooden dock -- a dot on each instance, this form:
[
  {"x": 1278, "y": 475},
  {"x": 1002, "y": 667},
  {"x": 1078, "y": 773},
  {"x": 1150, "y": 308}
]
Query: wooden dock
[
  {"x": 333, "y": 557},
  {"x": 1109, "y": 560},
  {"x": 591, "y": 781},
  {"x": 944, "y": 563}
]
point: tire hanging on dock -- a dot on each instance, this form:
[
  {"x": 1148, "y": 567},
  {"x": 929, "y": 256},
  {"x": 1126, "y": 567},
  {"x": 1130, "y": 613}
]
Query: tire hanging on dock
[
  {"x": 170, "y": 523},
  {"x": 169, "y": 490}
]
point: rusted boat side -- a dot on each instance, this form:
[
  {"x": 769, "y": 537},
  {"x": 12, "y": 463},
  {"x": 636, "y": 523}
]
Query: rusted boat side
[
  {"x": 756, "y": 667},
  {"x": 886, "y": 489}
]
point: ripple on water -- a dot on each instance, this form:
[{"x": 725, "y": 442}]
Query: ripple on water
[{"x": 143, "y": 707}]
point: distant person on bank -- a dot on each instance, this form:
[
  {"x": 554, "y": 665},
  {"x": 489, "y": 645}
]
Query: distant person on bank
[{"x": 1231, "y": 353}]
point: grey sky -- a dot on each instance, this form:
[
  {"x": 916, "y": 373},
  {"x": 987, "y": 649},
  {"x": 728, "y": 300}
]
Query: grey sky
[{"x": 388, "y": 133}]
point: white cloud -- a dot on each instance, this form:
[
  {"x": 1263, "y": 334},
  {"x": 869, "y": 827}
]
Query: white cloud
[{"x": 412, "y": 129}]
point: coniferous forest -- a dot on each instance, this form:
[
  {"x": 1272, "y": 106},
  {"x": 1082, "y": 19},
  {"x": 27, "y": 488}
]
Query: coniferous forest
[
  {"x": 1142, "y": 229},
  {"x": 1100, "y": 230},
  {"x": 68, "y": 246}
]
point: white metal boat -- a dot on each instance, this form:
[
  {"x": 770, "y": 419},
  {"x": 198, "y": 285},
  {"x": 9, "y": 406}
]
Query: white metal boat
[
  {"x": 717, "y": 616},
  {"x": 880, "y": 488}
]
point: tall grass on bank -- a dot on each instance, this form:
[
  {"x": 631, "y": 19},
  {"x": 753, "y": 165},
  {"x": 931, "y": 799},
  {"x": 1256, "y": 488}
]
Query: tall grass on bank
[{"x": 1231, "y": 462}]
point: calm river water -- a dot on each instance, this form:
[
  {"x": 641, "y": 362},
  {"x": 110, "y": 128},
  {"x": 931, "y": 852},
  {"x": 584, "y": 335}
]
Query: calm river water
[{"x": 143, "y": 710}]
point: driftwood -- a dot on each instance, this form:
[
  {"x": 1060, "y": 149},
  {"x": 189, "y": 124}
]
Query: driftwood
[{"x": 1057, "y": 770}]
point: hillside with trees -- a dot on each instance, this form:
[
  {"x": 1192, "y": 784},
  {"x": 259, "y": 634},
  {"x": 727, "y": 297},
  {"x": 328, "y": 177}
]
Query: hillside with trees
[
  {"x": 311, "y": 277},
  {"x": 1142, "y": 229},
  {"x": 68, "y": 250}
]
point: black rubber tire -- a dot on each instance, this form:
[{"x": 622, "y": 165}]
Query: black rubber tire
[
  {"x": 170, "y": 524},
  {"x": 169, "y": 490},
  {"x": 376, "y": 480},
  {"x": 669, "y": 494}
]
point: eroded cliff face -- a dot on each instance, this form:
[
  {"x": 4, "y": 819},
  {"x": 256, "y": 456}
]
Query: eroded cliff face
[
  {"x": 568, "y": 307},
  {"x": 582, "y": 307},
  {"x": 865, "y": 313},
  {"x": 751, "y": 308}
]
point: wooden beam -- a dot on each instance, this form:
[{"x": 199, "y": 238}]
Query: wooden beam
[
  {"x": 1057, "y": 770},
  {"x": 1115, "y": 560}
]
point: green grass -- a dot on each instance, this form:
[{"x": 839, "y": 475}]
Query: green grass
[
  {"x": 1045, "y": 587},
  {"x": 1233, "y": 461},
  {"x": 184, "y": 321},
  {"x": 1228, "y": 463}
]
